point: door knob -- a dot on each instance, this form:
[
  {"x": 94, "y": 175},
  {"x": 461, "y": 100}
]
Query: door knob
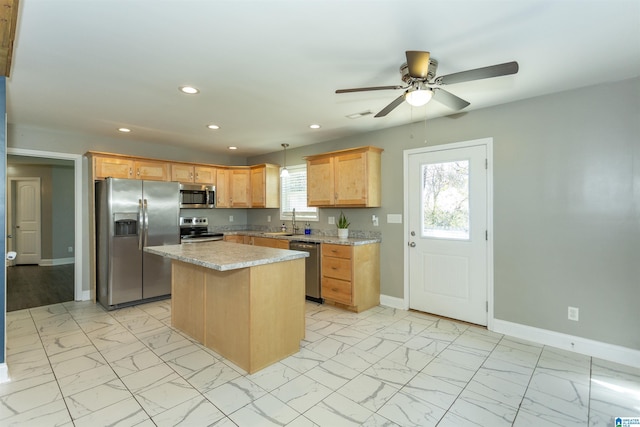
[{"x": 412, "y": 244}]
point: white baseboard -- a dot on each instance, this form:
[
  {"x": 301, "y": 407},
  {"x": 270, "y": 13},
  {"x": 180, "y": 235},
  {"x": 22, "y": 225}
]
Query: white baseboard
[
  {"x": 4, "y": 373},
  {"x": 86, "y": 296},
  {"x": 392, "y": 302},
  {"x": 611, "y": 352},
  {"x": 56, "y": 261}
]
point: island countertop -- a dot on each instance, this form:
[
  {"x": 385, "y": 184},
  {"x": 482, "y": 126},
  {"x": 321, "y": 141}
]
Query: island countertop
[{"x": 223, "y": 256}]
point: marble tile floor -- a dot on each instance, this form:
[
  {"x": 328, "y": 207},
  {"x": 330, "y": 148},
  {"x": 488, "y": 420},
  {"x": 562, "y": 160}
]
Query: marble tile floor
[{"x": 75, "y": 364}]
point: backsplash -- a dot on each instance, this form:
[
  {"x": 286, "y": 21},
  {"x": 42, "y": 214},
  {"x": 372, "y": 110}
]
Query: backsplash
[{"x": 329, "y": 232}]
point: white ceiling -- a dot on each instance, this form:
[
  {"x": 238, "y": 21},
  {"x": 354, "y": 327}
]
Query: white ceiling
[{"x": 268, "y": 69}]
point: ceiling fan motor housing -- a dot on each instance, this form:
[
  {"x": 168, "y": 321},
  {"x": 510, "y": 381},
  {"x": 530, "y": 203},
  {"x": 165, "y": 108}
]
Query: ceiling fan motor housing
[{"x": 431, "y": 72}]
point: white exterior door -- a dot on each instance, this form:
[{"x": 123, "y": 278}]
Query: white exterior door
[
  {"x": 27, "y": 221},
  {"x": 448, "y": 229}
]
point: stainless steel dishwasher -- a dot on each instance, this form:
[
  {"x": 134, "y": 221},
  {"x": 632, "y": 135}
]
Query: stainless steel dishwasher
[{"x": 312, "y": 268}]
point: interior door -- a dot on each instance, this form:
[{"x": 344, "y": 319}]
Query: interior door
[
  {"x": 27, "y": 221},
  {"x": 448, "y": 232}
]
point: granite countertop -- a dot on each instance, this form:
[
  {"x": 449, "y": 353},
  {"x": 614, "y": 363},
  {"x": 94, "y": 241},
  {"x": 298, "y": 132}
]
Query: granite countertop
[
  {"x": 351, "y": 241},
  {"x": 223, "y": 256}
]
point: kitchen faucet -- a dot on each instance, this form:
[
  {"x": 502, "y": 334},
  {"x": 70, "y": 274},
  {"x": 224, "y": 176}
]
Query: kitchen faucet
[{"x": 294, "y": 227}]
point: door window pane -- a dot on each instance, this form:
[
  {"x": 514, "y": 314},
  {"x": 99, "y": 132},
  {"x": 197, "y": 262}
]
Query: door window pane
[{"x": 445, "y": 200}]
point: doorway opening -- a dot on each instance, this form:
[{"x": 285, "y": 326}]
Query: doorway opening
[{"x": 56, "y": 276}]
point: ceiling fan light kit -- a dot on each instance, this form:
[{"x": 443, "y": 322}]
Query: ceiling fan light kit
[
  {"x": 418, "y": 74},
  {"x": 418, "y": 97}
]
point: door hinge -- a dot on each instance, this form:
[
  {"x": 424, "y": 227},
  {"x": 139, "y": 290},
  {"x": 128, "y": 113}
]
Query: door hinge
[
  {"x": 487, "y": 306},
  {"x": 486, "y": 234},
  {"x": 486, "y": 163}
]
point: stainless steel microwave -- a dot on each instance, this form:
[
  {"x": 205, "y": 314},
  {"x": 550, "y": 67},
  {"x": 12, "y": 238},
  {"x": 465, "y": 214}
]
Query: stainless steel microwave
[{"x": 197, "y": 196}]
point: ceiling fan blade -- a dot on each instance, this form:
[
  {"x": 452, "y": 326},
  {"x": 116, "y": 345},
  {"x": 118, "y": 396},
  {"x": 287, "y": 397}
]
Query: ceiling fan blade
[
  {"x": 479, "y": 73},
  {"x": 363, "y": 89},
  {"x": 418, "y": 63},
  {"x": 449, "y": 99},
  {"x": 386, "y": 110}
]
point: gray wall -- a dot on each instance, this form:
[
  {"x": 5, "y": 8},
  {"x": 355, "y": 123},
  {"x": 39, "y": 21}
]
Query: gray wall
[
  {"x": 566, "y": 202},
  {"x": 566, "y": 206}
]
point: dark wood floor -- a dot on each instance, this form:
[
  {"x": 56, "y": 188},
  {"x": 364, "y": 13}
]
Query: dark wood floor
[{"x": 31, "y": 286}]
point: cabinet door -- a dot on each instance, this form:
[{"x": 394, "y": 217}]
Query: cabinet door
[
  {"x": 351, "y": 179},
  {"x": 182, "y": 173},
  {"x": 234, "y": 238},
  {"x": 271, "y": 243},
  {"x": 155, "y": 171},
  {"x": 204, "y": 175},
  {"x": 114, "y": 167},
  {"x": 258, "y": 184},
  {"x": 222, "y": 188},
  {"x": 320, "y": 182},
  {"x": 240, "y": 188}
]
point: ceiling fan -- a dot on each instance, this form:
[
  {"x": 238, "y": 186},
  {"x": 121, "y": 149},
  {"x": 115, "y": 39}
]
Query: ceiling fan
[{"x": 420, "y": 85}]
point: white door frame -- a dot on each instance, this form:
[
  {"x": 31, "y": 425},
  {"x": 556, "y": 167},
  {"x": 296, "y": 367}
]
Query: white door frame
[
  {"x": 488, "y": 142},
  {"x": 78, "y": 219}
]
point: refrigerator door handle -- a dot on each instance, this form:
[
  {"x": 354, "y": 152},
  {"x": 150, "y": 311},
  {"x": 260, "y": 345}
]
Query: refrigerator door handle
[
  {"x": 140, "y": 223},
  {"x": 146, "y": 223}
]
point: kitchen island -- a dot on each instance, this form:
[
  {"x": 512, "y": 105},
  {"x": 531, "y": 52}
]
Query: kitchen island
[{"x": 247, "y": 303}]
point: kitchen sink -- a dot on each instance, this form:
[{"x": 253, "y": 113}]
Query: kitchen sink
[{"x": 278, "y": 233}]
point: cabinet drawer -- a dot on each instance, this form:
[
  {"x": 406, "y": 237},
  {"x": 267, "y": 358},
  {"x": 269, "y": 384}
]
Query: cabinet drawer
[
  {"x": 338, "y": 251},
  {"x": 336, "y": 290},
  {"x": 338, "y": 268}
]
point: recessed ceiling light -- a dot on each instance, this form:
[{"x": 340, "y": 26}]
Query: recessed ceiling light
[
  {"x": 124, "y": 130},
  {"x": 314, "y": 126},
  {"x": 233, "y": 148},
  {"x": 190, "y": 90},
  {"x": 214, "y": 127}
]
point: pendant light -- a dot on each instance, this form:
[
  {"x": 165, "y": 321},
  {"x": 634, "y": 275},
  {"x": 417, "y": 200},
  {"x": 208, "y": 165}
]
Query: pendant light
[{"x": 284, "y": 173}]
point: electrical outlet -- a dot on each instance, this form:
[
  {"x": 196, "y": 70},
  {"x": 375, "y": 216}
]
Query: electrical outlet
[
  {"x": 332, "y": 220},
  {"x": 573, "y": 313},
  {"x": 70, "y": 249},
  {"x": 230, "y": 218},
  {"x": 374, "y": 220},
  {"x": 268, "y": 218}
]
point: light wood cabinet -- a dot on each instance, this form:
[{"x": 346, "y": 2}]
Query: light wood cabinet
[
  {"x": 270, "y": 242},
  {"x": 151, "y": 170},
  {"x": 349, "y": 178},
  {"x": 123, "y": 167},
  {"x": 114, "y": 167},
  {"x": 193, "y": 174},
  {"x": 240, "y": 188},
  {"x": 265, "y": 186},
  {"x": 233, "y": 187},
  {"x": 351, "y": 275},
  {"x": 237, "y": 238}
]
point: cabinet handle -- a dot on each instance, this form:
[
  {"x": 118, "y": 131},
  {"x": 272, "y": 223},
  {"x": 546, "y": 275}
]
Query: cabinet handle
[{"x": 130, "y": 171}]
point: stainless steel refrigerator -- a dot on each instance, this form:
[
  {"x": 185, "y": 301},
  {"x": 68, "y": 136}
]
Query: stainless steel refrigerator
[{"x": 132, "y": 214}]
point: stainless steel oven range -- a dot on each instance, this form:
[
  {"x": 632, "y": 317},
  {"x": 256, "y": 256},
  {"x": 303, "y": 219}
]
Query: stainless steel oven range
[{"x": 196, "y": 229}]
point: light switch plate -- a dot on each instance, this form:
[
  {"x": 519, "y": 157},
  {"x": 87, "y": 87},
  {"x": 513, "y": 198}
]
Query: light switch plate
[{"x": 332, "y": 220}]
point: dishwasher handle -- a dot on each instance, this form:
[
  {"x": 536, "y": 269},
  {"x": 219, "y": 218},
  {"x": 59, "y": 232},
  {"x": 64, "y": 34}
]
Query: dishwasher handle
[{"x": 303, "y": 245}]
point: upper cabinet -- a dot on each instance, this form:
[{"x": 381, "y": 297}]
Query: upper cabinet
[
  {"x": 345, "y": 178},
  {"x": 190, "y": 174},
  {"x": 233, "y": 187},
  {"x": 151, "y": 170},
  {"x": 265, "y": 186},
  {"x": 123, "y": 167}
]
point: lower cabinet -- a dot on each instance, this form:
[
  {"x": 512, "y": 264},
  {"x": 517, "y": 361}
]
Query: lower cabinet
[
  {"x": 351, "y": 275},
  {"x": 237, "y": 238},
  {"x": 271, "y": 243}
]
